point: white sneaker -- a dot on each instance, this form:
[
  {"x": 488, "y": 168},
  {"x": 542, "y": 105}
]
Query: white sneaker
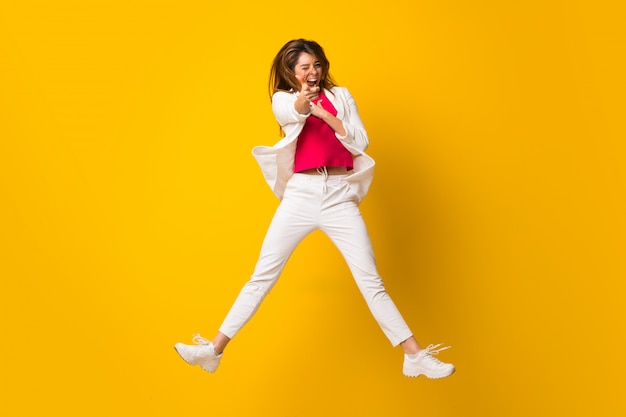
[
  {"x": 202, "y": 353},
  {"x": 423, "y": 363}
]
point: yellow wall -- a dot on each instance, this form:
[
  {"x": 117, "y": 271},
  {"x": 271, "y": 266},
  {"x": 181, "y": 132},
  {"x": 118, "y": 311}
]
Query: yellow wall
[{"x": 132, "y": 211}]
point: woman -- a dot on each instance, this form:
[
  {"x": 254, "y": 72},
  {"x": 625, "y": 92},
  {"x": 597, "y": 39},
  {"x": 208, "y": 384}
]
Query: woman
[{"x": 320, "y": 172}]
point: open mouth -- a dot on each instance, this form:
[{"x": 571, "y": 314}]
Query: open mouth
[{"x": 311, "y": 83}]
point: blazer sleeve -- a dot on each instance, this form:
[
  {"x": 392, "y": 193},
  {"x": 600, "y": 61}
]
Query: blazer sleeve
[
  {"x": 284, "y": 110},
  {"x": 356, "y": 135}
]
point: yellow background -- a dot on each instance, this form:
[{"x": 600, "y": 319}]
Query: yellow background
[{"x": 132, "y": 211}]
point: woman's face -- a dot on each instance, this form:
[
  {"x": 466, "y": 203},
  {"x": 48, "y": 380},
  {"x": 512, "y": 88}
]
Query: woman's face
[{"x": 308, "y": 69}]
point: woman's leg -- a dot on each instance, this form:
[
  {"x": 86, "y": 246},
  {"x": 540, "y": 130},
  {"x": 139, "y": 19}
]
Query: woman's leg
[
  {"x": 293, "y": 221},
  {"x": 344, "y": 225},
  {"x": 219, "y": 342},
  {"x": 410, "y": 346}
]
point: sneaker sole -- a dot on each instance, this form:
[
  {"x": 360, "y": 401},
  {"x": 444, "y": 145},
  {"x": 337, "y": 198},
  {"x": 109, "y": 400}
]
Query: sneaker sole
[
  {"x": 430, "y": 377},
  {"x": 208, "y": 369}
]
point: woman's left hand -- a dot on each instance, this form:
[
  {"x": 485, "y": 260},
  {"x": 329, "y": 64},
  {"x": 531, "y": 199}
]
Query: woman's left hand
[
  {"x": 318, "y": 110},
  {"x": 335, "y": 124}
]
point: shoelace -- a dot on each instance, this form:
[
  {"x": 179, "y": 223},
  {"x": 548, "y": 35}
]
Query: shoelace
[
  {"x": 432, "y": 350},
  {"x": 199, "y": 340},
  {"x": 435, "y": 349}
]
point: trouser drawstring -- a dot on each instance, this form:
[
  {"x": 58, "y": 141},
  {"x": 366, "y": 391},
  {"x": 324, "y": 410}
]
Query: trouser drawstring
[{"x": 323, "y": 171}]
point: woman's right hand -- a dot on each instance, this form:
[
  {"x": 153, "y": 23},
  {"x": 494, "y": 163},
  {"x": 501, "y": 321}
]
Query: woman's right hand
[{"x": 307, "y": 94}]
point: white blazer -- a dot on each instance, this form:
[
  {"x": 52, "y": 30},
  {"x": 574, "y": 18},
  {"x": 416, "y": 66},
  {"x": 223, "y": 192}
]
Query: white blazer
[{"x": 277, "y": 162}]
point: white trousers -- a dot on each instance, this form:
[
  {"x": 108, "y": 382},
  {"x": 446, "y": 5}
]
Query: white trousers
[{"x": 313, "y": 202}]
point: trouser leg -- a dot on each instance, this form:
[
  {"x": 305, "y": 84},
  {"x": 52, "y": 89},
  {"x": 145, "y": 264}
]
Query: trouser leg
[
  {"x": 292, "y": 222},
  {"x": 341, "y": 220}
]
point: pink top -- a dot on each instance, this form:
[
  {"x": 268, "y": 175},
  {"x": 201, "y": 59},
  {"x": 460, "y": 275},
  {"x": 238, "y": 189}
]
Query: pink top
[{"x": 317, "y": 144}]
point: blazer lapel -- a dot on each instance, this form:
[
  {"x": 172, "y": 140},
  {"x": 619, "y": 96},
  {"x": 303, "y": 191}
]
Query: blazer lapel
[{"x": 337, "y": 103}]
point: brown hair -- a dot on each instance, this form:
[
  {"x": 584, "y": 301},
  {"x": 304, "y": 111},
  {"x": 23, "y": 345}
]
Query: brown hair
[{"x": 282, "y": 75}]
